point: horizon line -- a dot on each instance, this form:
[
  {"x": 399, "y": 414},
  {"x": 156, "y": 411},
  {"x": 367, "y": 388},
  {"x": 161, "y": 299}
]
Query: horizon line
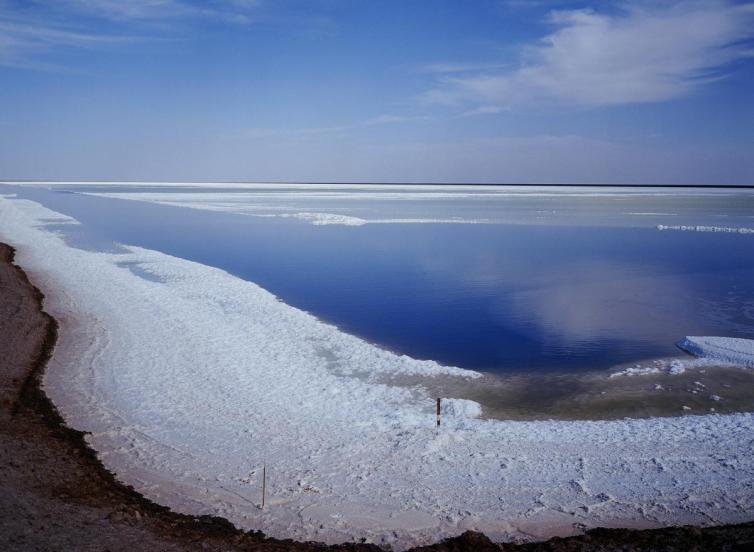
[{"x": 371, "y": 183}]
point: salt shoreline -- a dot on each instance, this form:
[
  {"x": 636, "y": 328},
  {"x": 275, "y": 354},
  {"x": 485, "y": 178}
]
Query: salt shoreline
[
  {"x": 48, "y": 472},
  {"x": 118, "y": 517},
  {"x": 570, "y": 486}
]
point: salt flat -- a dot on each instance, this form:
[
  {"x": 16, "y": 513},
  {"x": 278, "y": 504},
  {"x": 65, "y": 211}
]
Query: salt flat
[{"x": 189, "y": 381}]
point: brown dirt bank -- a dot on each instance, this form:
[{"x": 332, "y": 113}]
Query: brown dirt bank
[{"x": 57, "y": 496}]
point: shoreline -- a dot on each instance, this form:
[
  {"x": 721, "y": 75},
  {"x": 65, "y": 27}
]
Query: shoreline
[
  {"x": 107, "y": 354},
  {"x": 132, "y": 516},
  {"x": 130, "y": 513},
  {"x": 542, "y": 395}
]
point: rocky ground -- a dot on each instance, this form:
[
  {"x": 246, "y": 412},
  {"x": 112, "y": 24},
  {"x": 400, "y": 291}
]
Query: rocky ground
[{"x": 57, "y": 496}]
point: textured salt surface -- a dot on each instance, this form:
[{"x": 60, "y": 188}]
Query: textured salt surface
[
  {"x": 325, "y": 219},
  {"x": 730, "y": 350},
  {"x": 671, "y": 366},
  {"x": 702, "y": 228},
  {"x": 239, "y": 203},
  {"x": 354, "y": 205},
  {"x": 189, "y": 381}
]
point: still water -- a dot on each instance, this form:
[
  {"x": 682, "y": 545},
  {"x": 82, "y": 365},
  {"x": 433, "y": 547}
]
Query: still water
[{"x": 545, "y": 286}]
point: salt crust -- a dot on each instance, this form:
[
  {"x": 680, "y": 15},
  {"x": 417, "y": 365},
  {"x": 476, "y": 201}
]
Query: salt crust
[
  {"x": 671, "y": 366},
  {"x": 702, "y": 228},
  {"x": 238, "y": 203},
  {"x": 324, "y": 219},
  {"x": 190, "y": 383},
  {"x": 730, "y": 350},
  {"x": 710, "y": 351}
]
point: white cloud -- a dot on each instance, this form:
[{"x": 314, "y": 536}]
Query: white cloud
[
  {"x": 21, "y": 41},
  {"x": 21, "y": 32},
  {"x": 643, "y": 53},
  {"x": 121, "y": 10},
  {"x": 129, "y": 9},
  {"x": 26, "y": 34}
]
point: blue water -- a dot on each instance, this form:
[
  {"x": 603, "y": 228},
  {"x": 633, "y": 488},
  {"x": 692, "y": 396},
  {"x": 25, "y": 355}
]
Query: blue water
[{"x": 500, "y": 298}]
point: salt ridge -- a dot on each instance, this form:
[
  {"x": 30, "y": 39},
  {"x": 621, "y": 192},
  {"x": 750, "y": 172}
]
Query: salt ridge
[
  {"x": 324, "y": 219},
  {"x": 188, "y": 384},
  {"x": 732, "y": 350},
  {"x": 701, "y": 228}
]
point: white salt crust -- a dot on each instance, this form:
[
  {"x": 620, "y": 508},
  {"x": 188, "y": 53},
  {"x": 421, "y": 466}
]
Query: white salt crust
[
  {"x": 188, "y": 384},
  {"x": 730, "y": 350}
]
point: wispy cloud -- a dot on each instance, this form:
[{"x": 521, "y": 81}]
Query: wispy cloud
[
  {"x": 640, "y": 52},
  {"x": 128, "y": 10},
  {"x": 22, "y": 43},
  {"x": 317, "y": 131},
  {"x": 532, "y": 4},
  {"x": 393, "y": 119},
  {"x": 23, "y": 32},
  {"x": 144, "y": 10},
  {"x": 485, "y": 110},
  {"x": 28, "y": 32},
  {"x": 460, "y": 67}
]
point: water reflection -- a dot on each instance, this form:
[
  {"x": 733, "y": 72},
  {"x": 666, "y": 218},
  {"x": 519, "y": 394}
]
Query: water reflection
[
  {"x": 598, "y": 300},
  {"x": 503, "y": 298}
]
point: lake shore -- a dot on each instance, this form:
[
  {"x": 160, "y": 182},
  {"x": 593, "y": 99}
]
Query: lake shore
[
  {"x": 56, "y": 493},
  {"x": 60, "y": 497},
  {"x": 363, "y": 463}
]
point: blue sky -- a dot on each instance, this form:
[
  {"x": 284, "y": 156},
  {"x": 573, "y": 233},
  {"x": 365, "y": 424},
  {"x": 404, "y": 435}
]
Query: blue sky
[{"x": 357, "y": 90}]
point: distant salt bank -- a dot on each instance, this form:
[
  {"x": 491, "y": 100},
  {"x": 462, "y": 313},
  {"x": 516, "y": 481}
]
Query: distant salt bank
[{"x": 730, "y": 350}]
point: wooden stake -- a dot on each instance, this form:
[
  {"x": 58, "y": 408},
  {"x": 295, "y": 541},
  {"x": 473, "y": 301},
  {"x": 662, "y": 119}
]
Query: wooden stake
[
  {"x": 264, "y": 483},
  {"x": 438, "y": 412}
]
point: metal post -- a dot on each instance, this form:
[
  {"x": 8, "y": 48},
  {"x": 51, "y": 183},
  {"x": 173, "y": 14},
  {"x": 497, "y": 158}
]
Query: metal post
[
  {"x": 438, "y": 412},
  {"x": 264, "y": 483}
]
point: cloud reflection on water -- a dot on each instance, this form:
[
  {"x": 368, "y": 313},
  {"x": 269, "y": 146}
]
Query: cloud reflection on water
[{"x": 605, "y": 300}]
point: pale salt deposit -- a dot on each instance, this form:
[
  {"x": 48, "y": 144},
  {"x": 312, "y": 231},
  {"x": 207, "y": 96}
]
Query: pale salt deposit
[
  {"x": 703, "y": 228},
  {"x": 729, "y": 350},
  {"x": 672, "y": 366},
  {"x": 325, "y": 219},
  {"x": 189, "y": 381}
]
